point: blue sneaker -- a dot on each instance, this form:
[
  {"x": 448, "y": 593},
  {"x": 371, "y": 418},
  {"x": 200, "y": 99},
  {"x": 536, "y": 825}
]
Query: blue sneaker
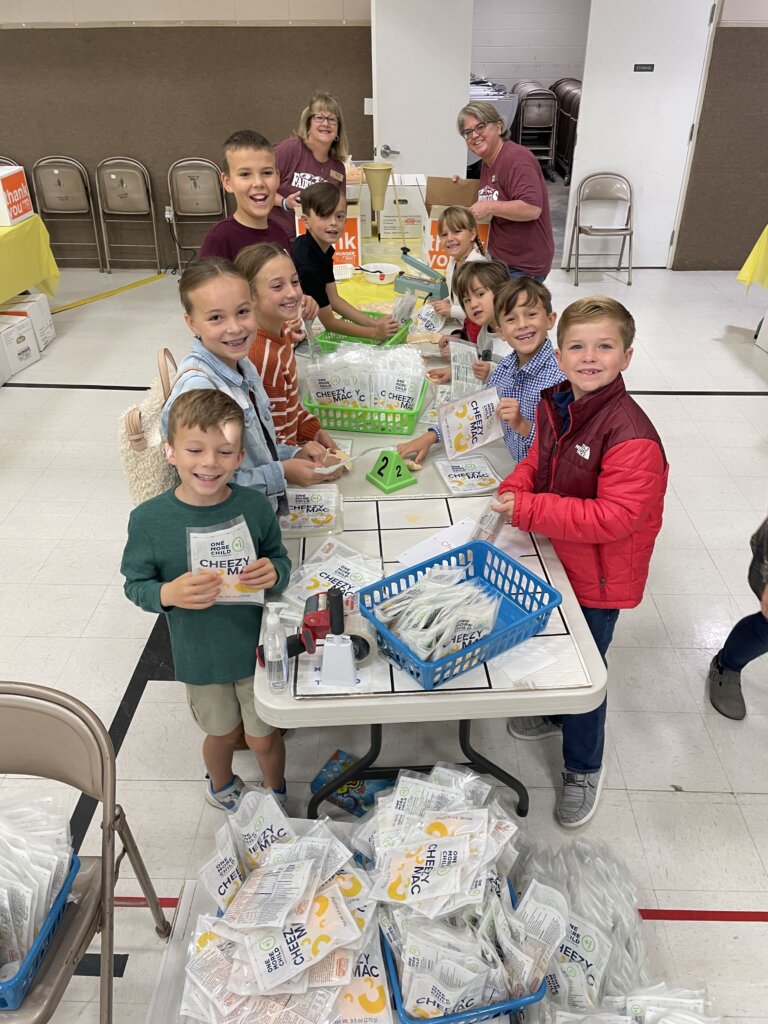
[{"x": 228, "y": 798}]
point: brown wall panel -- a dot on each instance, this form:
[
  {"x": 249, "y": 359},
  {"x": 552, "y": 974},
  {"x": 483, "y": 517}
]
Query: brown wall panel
[
  {"x": 159, "y": 94},
  {"x": 726, "y": 204}
]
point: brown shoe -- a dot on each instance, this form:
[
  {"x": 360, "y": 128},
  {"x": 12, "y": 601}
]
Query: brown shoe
[{"x": 724, "y": 686}]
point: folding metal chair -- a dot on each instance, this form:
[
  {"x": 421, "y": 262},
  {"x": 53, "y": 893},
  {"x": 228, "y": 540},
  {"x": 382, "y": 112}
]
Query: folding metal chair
[
  {"x": 63, "y": 195},
  {"x": 125, "y": 193},
  {"x": 195, "y": 190},
  {"x": 8, "y": 161},
  {"x": 48, "y": 733},
  {"x": 605, "y": 198}
]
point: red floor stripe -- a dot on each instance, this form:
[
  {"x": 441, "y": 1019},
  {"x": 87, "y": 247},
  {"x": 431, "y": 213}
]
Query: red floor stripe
[{"x": 648, "y": 914}]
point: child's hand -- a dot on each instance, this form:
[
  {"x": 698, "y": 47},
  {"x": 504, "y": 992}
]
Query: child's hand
[
  {"x": 294, "y": 331},
  {"x": 418, "y": 447},
  {"x": 293, "y": 201},
  {"x": 194, "y": 591},
  {"x": 481, "y": 369},
  {"x": 441, "y": 306},
  {"x": 312, "y": 450},
  {"x": 259, "y": 575},
  {"x": 444, "y": 343},
  {"x": 324, "y": 438},
  {"x": 309, "y": 307},
  {"x": 440, "y": 375},
  {"x": 505, "y": 503},
  {"x": 764, "y": 602},
  {"x": 508, "y": 410},
  {"x": 301, "y": 473},
  {"x": 385, "y": 327}
]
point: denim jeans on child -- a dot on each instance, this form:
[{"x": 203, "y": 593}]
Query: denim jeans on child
[
  {"x": 584, "y": 735},
  {"x": 747, "y": 640}
]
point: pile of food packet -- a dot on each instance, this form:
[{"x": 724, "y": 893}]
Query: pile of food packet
[
  {"x": 333, "y": 564},
  {"x": 439, "y": 877},
  {"x": 355, "y": 377},
  {"x": 440, "y": 614},
  {"x": 35, "y": 855}
]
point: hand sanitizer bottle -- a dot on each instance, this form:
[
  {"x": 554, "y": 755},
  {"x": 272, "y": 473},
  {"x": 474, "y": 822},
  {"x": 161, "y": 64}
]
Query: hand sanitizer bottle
[{"x": 276, "y": 654}]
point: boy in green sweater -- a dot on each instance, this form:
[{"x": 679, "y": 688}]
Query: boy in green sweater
[{"x": 201, "y": 553}]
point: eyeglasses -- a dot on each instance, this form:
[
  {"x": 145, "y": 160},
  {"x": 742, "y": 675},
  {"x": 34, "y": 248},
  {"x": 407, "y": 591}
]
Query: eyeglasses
[
  {"x": 325, "y": 119},
  {"x": 478, "y": 129}
]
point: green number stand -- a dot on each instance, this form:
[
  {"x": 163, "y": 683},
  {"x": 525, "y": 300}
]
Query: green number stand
[{"x": 390, "y": 473}]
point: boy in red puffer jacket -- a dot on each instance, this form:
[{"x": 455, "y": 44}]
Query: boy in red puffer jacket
[{"x": 594, "y": 483}]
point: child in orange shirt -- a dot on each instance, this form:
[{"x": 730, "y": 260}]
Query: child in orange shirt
[{"x": 277, "y": 297}]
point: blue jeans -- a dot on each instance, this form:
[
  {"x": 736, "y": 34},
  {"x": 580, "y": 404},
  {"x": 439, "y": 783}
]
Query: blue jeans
[
  {"x": 747, "y": 640},
  {"x": 514, "y": 272},
  {"x": 584, "y": 735}
]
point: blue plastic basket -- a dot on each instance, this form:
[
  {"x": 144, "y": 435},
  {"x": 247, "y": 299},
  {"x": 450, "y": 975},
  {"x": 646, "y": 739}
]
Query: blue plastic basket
[
  {"x": 14, "y": 991},
  {"x": 524, "y": 610},
  {"x": 477, "y": 1013}
]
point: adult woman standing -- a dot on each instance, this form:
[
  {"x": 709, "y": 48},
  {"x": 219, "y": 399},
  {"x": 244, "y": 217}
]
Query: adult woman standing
[
  {"x": 315, "y": 153},
  {"x": 512, "y": 191}
]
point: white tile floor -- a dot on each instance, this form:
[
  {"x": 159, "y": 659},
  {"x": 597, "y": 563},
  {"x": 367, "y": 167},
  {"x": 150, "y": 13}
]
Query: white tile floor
[{"x": 687, "y": 800}]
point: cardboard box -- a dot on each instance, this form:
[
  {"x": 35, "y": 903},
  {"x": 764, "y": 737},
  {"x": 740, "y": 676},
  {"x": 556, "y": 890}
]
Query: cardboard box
[
  {"x": 410, "y": 199},
  {"x": 18, "y": 342},
  {"x": 15, "y": 200},
  {"x": 347, "y": 247},
  {"x": 442, "y": 192},
  {"x": 5, "y": 369},
  {"x": 39, "y": 312}
]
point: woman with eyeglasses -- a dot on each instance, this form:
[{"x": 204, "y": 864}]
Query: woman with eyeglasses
[
  {"x": 512, "y": 191},
  {"x": 315, "y": 153}
]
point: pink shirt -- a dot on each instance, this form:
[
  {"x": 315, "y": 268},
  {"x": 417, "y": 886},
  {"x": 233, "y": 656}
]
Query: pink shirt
[
  {"x": 526, "y": 245},
  {"x": 298, "y": 170}
]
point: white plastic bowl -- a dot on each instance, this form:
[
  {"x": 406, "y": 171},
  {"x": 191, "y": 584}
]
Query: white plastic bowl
[{"x": 373, "y": 272}]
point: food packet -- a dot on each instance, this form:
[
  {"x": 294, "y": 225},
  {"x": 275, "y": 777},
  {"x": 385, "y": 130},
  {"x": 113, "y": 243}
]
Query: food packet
[
  {"x": 543, "y": 912},
  {"x": 587, "y": 948},
  {"x": 470, "y": 786},
  {"x": 339, "y": 384},
  {"x": 333, "y": 970},
  {"x": 473, "y": 622},
  {"x": 209, "y": 969},
  {"x": 448, "y": 988},
  {"x": 312, "y": 510},
  {"x": 423, "y": 871},
  {"x": 427, "y": 319},
  {"x": 490, "y": 524},
  {"x": 21, "y": 899},
  {"x": 222, "y": 876},
  {"x": 414, "y": 795},
  {"x": 278, "y": 955},
  {"x": 396, "y": 391},
  {"x": 470, "y": 422},
  {"x": 10, "y": 951},
  {"x": 403, "y": 307},
  {"x": 365, "y": 999},
  {"x": 270, "y": 894},
  {"x": 473, "y": 475},
  {"x": 338, "y": 571},
  {"x": 337, "y": 854},
  {"x": 463, "y": 358},
  {"x": 225, "y": 549},
  {"x": 258, "y": 822}
]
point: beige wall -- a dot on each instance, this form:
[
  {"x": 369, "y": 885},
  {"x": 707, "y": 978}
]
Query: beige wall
[{"x": 159, "y": 94}]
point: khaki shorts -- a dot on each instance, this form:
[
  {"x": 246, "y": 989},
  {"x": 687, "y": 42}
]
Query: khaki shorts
[{"x": 218, "y": 708}]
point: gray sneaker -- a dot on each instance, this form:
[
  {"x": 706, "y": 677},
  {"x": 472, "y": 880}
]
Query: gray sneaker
[
  {"x": 724, "y": 686},
  {"x": 534, "y": 727},
  {"x": 578, "y": 802}
]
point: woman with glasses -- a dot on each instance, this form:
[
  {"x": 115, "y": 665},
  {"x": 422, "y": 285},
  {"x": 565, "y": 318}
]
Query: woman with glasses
[
  {"x": 315, "y": 153},
  {"x": 512, "y": 191}
]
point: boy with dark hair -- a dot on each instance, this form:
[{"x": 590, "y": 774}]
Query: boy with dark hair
[
  {"x": 594, "y": 483},
  {"x": 214, "y": 643},
  {"x": 250, "y": 174},
  {"x": 324, "y": 213}
]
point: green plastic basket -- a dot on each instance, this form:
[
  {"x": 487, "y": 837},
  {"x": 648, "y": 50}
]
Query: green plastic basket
[
  {"x": 368, "y": 421},
  {"x": 330, "y": 340}
]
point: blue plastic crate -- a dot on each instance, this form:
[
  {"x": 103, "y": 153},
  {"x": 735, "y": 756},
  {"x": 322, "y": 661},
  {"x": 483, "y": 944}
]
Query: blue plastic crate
[
  {"x": 473, "y": 1014},
  {"x": 524, "y": 610},
  {"x": 14, "y": 991}
]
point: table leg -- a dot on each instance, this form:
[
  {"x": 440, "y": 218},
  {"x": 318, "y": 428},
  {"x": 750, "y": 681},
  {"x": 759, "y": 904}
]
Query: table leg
[
  {"x": 355, "y": 771},
  {"x": 482, "y": 764}
]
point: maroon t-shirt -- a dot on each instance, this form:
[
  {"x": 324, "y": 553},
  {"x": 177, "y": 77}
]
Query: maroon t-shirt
[
  {"x": 229, "y": 236},
  {"x": 525, "y": 244},
  {"x": 298, "y": 169}
]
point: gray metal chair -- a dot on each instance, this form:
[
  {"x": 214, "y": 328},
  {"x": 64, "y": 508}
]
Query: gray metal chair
[
  {"x": 63, "y": 196},
  {"x": 124, "y": 192},
  {"x": 47, "y": 733},
  {"x": 8, "y": 161},
  {"x": 196, "y": 192},
  {"x": 603, "y": 210}
]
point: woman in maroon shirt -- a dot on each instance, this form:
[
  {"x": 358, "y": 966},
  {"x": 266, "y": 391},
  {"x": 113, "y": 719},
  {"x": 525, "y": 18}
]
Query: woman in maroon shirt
[
  {"x": 315, "y": 153},
  {"x": 512, "y": 191}
]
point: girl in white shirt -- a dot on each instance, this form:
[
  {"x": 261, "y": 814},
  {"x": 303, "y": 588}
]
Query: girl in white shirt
[{"x": 457, "y": 229}]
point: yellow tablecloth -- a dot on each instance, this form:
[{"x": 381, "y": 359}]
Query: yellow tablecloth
[
  {"x": 26, "y": 260},
  {"x": 756, "y": 265}
]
